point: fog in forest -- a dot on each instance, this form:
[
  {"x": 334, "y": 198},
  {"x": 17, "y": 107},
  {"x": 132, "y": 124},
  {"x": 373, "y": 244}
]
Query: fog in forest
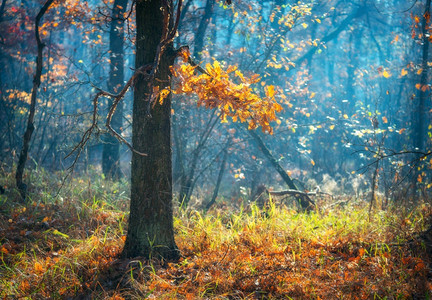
[{"x": 301, "y": 104}]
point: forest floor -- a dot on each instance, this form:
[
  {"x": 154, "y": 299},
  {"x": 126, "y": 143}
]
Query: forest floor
[{"x": 67, "y": 247}]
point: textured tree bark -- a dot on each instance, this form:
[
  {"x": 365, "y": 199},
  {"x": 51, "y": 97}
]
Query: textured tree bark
[
  {"x": 22, "y": 187},
  {"x": 111, "y": 148},
  {"x": 150, "y": 232}
]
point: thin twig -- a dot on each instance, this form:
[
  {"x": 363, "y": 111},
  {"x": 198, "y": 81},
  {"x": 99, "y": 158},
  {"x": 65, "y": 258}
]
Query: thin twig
[{"x": 148, "y": 71}]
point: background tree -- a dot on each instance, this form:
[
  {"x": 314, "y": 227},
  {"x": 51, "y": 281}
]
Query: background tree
[
  {"x": 111, "y": 147},
  {"x": 30, "y": 124},
  {"x": 344, "y": 67},
  {"x": 150, "y": 231}
]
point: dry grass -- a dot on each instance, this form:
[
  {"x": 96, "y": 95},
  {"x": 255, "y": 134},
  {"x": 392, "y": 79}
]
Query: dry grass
[{"x": 68, "y": 246}]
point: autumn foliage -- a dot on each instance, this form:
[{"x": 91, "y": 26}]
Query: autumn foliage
[
  {"x": 234, "y": 94},
  {"x": 70, "y": 246}
]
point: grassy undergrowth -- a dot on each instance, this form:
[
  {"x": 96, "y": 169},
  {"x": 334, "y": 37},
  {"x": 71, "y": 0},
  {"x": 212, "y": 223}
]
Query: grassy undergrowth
[{"x": 68, "y": 246}]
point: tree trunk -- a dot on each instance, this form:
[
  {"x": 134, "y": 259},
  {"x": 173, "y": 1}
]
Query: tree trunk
[
  {"x": 187, "y": 182},
  {"x": 202, "y": 28},
  {"x": 220, "y": 175},
  {"x": 334, "y": 34},
  {"x": 420, "y": 126},
  {"x": 305, "y": 202},
  {"x": 111, "y": 147},
  {"x": 22, "y": 187},
  {"x": 150, "y": 232}
]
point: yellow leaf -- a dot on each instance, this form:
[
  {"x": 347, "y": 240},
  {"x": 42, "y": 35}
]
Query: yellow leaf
[
  {"x": 419, "y": 71},
  {"x": 312, "y": 162},
  {"x": 384, "y": 120},
  {"x": 270, "y": 91},
  {"x": 163, "y": 94},
  {"x": 386, "y": 74},
  {"x": 305, "y": 25},
  {"x": 332, "y": 127},
  {"x": 404, "y": 72},
  {"x": 345, "y": 116},
  {"x": 418, "y": 86}
]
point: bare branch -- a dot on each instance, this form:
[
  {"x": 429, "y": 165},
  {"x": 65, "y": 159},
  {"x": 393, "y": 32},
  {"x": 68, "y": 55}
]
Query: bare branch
[
  {"x": 148, "y": 71},
  {"x": 117, "y": 98}
]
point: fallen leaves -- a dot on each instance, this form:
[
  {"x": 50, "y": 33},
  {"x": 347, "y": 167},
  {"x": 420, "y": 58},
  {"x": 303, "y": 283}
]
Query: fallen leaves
[{"x": 226, "y": 254}]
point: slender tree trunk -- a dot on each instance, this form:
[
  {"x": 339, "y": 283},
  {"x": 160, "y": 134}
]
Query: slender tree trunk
[
  {"x": 111, "y": 147},
  {"x": 420, "y": 125},
  {"x": 220, "y": 175},
  {"x": 2, "y": 9},
  {"x": 202, "y": 28},
  {"x": 150, "y": 232},
  {"x": 332, "y": 35},
  {"x": 185, "y": 9},
  {"x": 187, "y": 183},
  {"x": 305, "y": 202},
  {"x": 30, "y": 123}
]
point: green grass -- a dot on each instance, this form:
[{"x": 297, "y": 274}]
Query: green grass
[{"x": 67, "y": 244}]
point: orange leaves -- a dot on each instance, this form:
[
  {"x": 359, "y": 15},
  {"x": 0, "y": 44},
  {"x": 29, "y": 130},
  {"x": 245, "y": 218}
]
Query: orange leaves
[
  {"x": 163, "y": 94},
  {"x": 223, "y": 255},
  {"x": 229, "y": 91},
  {"x": 38, "y": 268},
  {"x": 270, "y": 91},
  {"x": 421, "y": 87},
  {"x": 24, "y": 286},
  {"x": 395, "y": 40}
]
